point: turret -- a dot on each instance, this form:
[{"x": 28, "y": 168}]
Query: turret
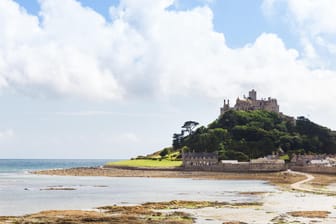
[
  {"x": 253, "y": 94},
  {"x": 225, "y": 107}
]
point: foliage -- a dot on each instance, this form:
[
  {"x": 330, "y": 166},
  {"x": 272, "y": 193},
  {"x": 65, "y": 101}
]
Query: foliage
[
  {"x": 187, "y": 127},
  {"x": 165, "y": 152},
  {"x": 245, "y": 135}
]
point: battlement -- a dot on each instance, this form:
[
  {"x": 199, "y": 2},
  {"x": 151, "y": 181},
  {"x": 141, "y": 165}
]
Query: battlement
[{"x": 252, "y": 103}]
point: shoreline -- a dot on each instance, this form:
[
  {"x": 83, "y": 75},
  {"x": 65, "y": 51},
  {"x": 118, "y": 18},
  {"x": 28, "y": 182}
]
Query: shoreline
[{"x": 282, "y": 179}]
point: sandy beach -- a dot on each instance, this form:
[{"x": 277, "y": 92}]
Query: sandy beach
[
  {"x": 295, "y": 201},
  {"x": 281, "y": 179}
]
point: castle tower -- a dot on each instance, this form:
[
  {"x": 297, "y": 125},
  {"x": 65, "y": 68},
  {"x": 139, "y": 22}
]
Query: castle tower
[
  {"x": 253, "y": 94},
  {"x": 225, "y": 107}
]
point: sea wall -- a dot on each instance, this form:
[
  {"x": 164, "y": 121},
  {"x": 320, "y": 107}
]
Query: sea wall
[
  {"x": 314, "y": 169},
  {"x": 240, "y": 167}
]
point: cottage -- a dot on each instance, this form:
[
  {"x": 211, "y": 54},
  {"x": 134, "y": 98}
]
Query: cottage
[{"x": 203, "y": 159}]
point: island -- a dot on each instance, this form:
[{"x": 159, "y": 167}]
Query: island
[{"x": 252, "y": 140}]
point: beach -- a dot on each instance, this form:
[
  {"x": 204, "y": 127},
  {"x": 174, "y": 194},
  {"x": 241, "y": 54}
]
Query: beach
[
  {"x": 291, "y": 200},
  {"x": 283, "y": 179}
]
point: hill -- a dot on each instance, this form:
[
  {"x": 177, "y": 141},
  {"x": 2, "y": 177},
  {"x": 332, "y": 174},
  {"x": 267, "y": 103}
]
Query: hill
[{"x": 245, "y": 135}]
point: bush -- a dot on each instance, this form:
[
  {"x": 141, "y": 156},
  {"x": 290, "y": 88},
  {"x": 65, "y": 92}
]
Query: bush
[{"x": 165, "y": 152}]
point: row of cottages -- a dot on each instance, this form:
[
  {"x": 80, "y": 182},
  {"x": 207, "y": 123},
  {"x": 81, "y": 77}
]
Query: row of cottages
[
  {"x": 314, "y": 160},
  {"x": 210, "y": 162},
  {"x": 320, "y": 163},
  {"x": 192, "y": 159}
]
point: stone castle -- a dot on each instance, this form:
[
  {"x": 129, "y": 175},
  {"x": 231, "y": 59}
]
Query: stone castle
[{"x": 252, "y": 103}]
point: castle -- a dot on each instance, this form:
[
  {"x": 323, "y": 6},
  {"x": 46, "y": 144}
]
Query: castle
[{"x": 252, "y": 103}]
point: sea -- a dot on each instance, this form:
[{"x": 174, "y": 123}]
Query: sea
[{"x": 24, "y": 193}]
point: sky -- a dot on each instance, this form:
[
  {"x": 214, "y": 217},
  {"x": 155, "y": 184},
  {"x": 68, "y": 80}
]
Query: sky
[{"x": 114, "y": 79}]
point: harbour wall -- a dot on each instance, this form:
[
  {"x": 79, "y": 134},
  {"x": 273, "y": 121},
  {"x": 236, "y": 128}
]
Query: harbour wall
[
  {"x": 240, "y": 167},
  {"x": 314, "y": 169}
]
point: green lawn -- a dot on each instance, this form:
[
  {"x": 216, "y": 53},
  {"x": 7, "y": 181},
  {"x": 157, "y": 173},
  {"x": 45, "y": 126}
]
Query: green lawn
[
  {"x": 284, "y": 157},
  {"x": 146, "y": 163}
]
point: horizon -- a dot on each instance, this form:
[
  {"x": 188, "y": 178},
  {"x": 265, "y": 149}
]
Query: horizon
[{"x": 82, "y": 79}]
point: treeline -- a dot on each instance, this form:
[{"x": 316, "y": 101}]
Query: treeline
[{"x": 244, "y": 135}]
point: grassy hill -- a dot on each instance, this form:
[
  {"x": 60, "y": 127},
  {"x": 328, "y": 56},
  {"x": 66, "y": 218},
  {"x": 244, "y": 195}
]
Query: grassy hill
[{"x": 244, "y": 135}]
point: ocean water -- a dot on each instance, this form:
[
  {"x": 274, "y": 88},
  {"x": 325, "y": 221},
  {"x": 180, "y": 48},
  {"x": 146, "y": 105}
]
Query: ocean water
[
  {"x": 26, "y": 165},
  {"x": 23, "y": 193}
]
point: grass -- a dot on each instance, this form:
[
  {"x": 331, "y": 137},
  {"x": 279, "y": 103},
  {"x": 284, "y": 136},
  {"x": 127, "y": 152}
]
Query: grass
[
  {"x": 284, "y": 157},
  {"x": 146, "y": 163}
]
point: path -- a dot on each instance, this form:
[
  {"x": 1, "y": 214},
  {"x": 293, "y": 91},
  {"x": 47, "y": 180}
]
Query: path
[{"x": 300, "y": 187}]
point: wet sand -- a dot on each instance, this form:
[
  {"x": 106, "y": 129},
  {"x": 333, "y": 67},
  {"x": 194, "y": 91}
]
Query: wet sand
[
  {"x": 281, "y": 179},
  {"x": 286, "y": 180}
]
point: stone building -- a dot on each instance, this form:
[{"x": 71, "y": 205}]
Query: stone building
[
  {"x": 252, "y": 103},
  {"x": 320, "y": 163},
  {"x": 313, "y": 160},
  {"x": 202, "y": 159}
]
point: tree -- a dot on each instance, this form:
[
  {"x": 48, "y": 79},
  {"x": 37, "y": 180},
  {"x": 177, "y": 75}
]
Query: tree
[
  {"x": 251, "y": 134},
  {"x": 188, "y": 126},
  {"x": 177, "y": 140}
]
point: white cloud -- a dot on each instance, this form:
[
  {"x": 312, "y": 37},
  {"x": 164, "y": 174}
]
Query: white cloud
[
  {"x": 6, "y": 134},
  {"x": 148, "y": 50},
  {"x": 61, "y": 55},
  {"x": 313, "y": 21},
  {"x": 317, "y": 16}
]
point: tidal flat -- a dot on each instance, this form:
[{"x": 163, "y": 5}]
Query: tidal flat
[
  {"x": 151, "y": 196},
  {"x": 151, "y": 212},
  {"x": 276, "y": 208}
]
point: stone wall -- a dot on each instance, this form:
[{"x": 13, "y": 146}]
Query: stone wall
[
  {"x": 240, "y": 167},
  {"x": 267, "y": 167},
  {"x": 261, "y": 167},
  {"x": 314, "y": 169},
  {"x": 209, "y": 162}
]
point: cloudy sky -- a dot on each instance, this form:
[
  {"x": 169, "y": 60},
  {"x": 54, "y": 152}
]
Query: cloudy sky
[{"x": 116, "y": 78}]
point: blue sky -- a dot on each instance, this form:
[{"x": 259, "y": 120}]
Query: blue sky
[{"x": 115, "y": 79}]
